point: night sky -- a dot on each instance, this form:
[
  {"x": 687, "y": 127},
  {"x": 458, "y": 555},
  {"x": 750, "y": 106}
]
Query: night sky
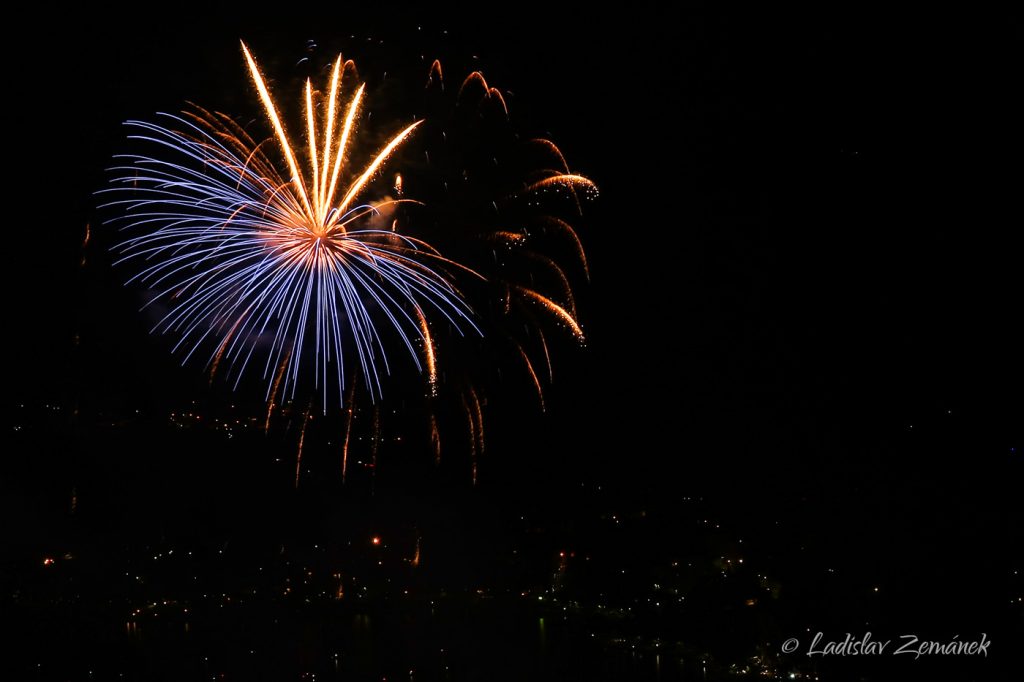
[{"x": 805, "y": 263}]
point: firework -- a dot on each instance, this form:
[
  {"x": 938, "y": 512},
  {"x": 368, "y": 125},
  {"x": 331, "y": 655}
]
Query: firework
[{"x": 279, "y": 269}]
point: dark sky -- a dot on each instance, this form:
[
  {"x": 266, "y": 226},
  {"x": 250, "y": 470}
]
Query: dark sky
[
  {"x": 805, "y": 268},
  {"x": 807, "y": 238}
]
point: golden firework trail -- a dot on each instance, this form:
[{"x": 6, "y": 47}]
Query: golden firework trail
[
  {"x": 273, "y": 391},
  {"x": 555, "y": 309},
  {"x": 350, "y": 410},
  {"x": 489, "y": 92},
  {"x": 428, "y": 350},
  {"x": 547, "y": 354},
  {"x": 475, "y": 424},
  {"x": 510, "y": 237},
  {"x": 220, "y": 350},
  {"x": 479, "y": 414},
  {"x": 435, "y": 439},
  {"x": 555, "y": 269},
  {"x": 298, "y": 454},
  {"x": 533, "y": 375},
  {"x": 471, "y": 426},
  {"x": 415, "y": 561},
  {"x": 85, "y": 243},
  {"x": 567, "y": 229},
  {"x": 552, "y": 149},
  {"x": 435, "y": 70},
  {"x": 564, "y": 180}
]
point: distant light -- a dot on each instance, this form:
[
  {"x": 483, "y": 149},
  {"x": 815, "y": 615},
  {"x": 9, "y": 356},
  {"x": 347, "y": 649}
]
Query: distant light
[
  {"x": 375, "y": 540},
  {"x": 48, "y": 561}
]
